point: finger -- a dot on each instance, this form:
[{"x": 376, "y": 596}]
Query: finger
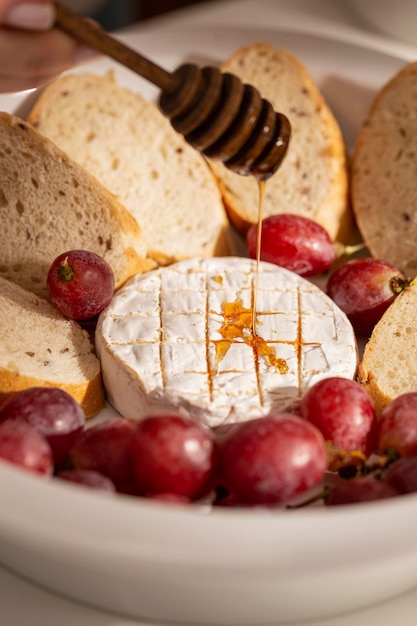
[{"x": 31, "y": 59}]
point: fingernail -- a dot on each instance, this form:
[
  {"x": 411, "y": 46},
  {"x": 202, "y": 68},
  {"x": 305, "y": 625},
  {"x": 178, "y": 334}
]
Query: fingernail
[{"x": 30, "y": 16}]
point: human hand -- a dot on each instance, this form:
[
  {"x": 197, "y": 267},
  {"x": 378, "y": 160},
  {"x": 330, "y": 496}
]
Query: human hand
[{"x": 32, "y": 52}]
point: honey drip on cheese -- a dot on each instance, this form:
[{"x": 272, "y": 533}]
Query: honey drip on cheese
[
  {"x": 239, "y": 322},
  {"x": 238, "y": 326}
]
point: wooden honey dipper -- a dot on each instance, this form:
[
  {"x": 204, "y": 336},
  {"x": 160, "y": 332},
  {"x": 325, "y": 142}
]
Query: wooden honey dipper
[{"x": 217, "y": 114}]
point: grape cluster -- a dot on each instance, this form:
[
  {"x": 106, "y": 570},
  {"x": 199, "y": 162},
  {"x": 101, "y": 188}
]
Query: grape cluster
[
  {"x": 395, "y": 471},
  {"x": 332, "y": 446}
]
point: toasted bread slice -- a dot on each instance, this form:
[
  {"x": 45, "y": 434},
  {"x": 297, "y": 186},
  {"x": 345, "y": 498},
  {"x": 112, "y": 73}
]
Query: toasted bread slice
[
  {"x": 49, "y": 204},
  {"x": 384, "y": 182},
  {"x": 389, "y": 364},
  {"x": 313, "y": 179},
  {"x": 125, "y": 142},
  {"x": 39, "y": 347}
]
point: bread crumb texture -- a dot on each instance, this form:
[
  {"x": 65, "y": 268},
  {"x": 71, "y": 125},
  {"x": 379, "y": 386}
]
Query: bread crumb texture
[
  {"x": 49, "y": 204},
  {"x": 389, "y": 364},
  {"x": 313, "y": 179},
  {"x": 127, "y": 144},
  {"x": 40, "y": 347},
  {"x": 384, "y": 182}
]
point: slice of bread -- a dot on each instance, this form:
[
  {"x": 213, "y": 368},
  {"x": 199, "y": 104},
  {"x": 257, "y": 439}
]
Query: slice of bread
[
  {"x": 125, "y": 142},
  {"x": 313, "y": 179},
  {"x": 384, "y": 182},
  {"x": 389, "y": 363},
  {"x": 39, "y": 347},
  {"x": 49, "y": 204}
]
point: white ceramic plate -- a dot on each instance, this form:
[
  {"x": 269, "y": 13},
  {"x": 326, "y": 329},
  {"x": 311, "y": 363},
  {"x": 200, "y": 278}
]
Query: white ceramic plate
[{"x": 164, "y": 562}]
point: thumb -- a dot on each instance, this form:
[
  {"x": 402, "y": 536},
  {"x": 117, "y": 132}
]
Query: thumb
[{"x": 27, "y": 14}]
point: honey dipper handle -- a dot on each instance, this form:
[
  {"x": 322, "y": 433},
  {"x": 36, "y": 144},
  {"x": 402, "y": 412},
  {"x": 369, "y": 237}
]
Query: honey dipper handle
[{"x": 92, "y": 35}]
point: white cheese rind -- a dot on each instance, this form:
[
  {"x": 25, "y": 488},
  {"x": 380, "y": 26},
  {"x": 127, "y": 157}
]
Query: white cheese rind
[{"x": 157, "y": 341}]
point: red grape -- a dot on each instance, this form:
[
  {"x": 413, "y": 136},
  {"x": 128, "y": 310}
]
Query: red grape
[
  {"x": 344, "y": 413},
  {"x": 294, "y": 242},
  {"x": 362, "y": 489},
  {"x": 397, "y": 426},
  {"x": 87, "y": 478},
  {"x": 364, "y": 289},
  {"x": 51, "y": 411},
  {"x": 24, "y": 446},
  {"x": 402, "y": 475},
  {"x": 104, "y": 448},
  {"x": 80, "y": 284},
  {"x": 272, "y": 459},
  {"x": 173, "y": 454}
]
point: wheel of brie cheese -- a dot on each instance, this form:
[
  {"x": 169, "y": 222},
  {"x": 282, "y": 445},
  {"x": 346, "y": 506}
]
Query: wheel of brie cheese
[{"x": 184, "y": 338}]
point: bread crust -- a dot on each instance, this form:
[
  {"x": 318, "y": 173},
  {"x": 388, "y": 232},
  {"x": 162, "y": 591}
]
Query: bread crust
[
  {"x": 42, "y": 348},
  {"x": 89, "y": 394},
  {"x": 125, "y": 142},
  {"x": 384, "y": 187},
  {"x": 313, "y": 179},
  {"x": 50, "y": 204},
  {"x": 389, "y": 367}
]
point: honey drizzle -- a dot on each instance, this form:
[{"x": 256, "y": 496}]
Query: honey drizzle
[
  {"x": 239, "y": 322},
  {"x": 238, "y": 327},
  {"x": 261, "y": 190}
]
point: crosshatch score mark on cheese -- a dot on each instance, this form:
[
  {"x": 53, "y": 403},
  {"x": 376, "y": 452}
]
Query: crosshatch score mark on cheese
[{"x": 158, "y": 341}]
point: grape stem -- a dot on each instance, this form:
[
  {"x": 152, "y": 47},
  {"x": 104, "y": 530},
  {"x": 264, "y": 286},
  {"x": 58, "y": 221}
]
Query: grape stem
[
  {"x": 344, "y": 250},
  {"x": 65, "y": 271},
  {"x": 398, "y": 284}
]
